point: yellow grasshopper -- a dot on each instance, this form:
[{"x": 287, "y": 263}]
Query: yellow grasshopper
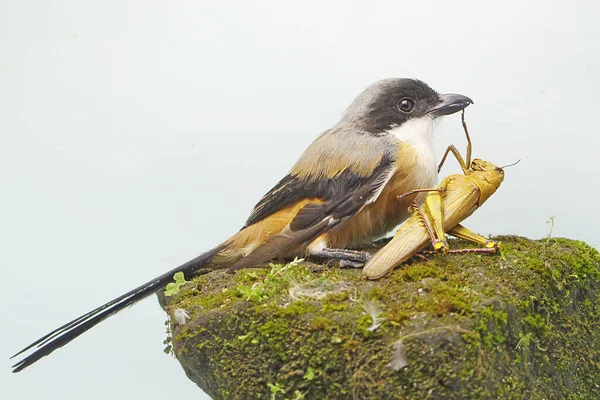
[{"x": 444, "y": 207}]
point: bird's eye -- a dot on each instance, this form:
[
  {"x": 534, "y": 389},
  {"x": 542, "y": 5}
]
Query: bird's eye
[{"x": 406, "y": 105}]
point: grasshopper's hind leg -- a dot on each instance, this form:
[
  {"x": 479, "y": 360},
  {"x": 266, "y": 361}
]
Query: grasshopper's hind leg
[
  {"x": 459, "y": 231},
  {"x": 489, "y": 246},
  {"x": 432, "y": 217}
]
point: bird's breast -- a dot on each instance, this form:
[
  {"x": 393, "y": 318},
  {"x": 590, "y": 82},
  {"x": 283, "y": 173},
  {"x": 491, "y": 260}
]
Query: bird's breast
[{"x": 414, "y": 168}]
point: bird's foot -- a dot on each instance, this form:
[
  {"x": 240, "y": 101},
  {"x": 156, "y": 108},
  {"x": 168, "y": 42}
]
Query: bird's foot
[{"x": 347, "y": 258}]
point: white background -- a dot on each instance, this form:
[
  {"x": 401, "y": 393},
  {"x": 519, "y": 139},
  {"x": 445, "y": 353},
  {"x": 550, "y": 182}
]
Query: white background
[{"x": 135, "y": 134}]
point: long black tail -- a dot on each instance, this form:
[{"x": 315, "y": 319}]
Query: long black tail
[{"x": 69, "y": 331}]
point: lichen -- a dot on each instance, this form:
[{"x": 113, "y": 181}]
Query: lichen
[{"x": 523, "y": 324}]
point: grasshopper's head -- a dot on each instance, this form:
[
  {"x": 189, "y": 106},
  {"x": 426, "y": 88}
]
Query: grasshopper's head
[{"x": 487, "y": 176}]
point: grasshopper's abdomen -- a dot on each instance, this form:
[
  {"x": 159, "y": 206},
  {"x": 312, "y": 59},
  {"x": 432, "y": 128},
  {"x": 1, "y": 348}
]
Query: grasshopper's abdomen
[{"x": 460, "y": 199}]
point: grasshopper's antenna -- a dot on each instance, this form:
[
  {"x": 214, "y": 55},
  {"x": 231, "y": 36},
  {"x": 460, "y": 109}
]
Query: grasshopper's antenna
[
  {"x": 511, "y": 165},
  {"x": 469, "y": 146}
]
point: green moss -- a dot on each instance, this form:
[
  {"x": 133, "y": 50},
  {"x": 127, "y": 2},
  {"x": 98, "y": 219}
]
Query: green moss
[
  {"x": 419, "y": 271},
  {"x": 490, "y": 326},
  {"x": 524, "y": 324},
  {"x": 452, "y": 299},
  {"x": 535, "y": 321},
  {"x": 320, "y": 323},
  {"x": 331, "y": 307},
  {"x": 363, "y": 324},
  {"x": 299, "y": 308}
]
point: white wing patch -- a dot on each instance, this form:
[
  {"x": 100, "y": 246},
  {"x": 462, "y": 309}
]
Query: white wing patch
[{"x": 382, "y": 183}]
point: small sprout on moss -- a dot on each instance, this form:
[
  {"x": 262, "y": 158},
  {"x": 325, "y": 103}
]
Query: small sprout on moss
[
  {"x": 551, "y": 222},
  {"x": 336, "y": 339},
  {"x": 181, "y": 316},
  {"x": 168, "y": 347},
  {"x": 252, "y": 275},
  {"x": 295, "y": 262},
  {"x": 277, "y": 388},
  {"x": 398, "y": 356},
  {"x": 256, "y": 292},
  {"x": 517, "y": 359},
  {"x": 167, "y": 342},
  {"x": 244, "y": 338},
  {"x": 524, "y": 340},
  {"x": 270, "y": 285},
  {"x": 298, "y": 395},
  {"x": 311, "y": 374},
  {"x": 173, "y": 287},
  {"x": 373, "y": 311},
  {"x": 278, "y": 269}
]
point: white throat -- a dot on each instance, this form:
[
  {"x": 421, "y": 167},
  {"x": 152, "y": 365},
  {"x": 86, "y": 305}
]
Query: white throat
[{"x": 418, "y": 133}]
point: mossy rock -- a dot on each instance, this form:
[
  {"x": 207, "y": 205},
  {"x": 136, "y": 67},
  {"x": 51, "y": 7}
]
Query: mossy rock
[{"x": 524, "y": 324}]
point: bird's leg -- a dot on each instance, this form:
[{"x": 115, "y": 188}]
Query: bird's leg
[{"x": 347, "y": 258}]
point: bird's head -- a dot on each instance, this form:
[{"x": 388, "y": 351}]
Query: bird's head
[{"x": 392, "y": 103}]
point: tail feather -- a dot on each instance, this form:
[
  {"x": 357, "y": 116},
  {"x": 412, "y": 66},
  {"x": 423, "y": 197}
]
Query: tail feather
[{"x": 71, "y": 330}]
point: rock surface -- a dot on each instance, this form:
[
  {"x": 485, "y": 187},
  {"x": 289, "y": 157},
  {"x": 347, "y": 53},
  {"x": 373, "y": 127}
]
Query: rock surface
[{"x": 521, "y": 325}]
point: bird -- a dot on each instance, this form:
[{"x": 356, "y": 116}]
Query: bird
[{"x": 342, "y": 193}]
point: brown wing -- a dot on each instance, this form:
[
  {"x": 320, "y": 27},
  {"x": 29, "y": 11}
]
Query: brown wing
[
  {"x": 292, "y": 189},
  {"x": 340, "y": 161},
  {"x": 344, "y": 196}
]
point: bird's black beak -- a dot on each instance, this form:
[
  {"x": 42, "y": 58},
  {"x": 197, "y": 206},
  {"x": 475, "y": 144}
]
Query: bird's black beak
[{"x": 449, "y": 104}]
